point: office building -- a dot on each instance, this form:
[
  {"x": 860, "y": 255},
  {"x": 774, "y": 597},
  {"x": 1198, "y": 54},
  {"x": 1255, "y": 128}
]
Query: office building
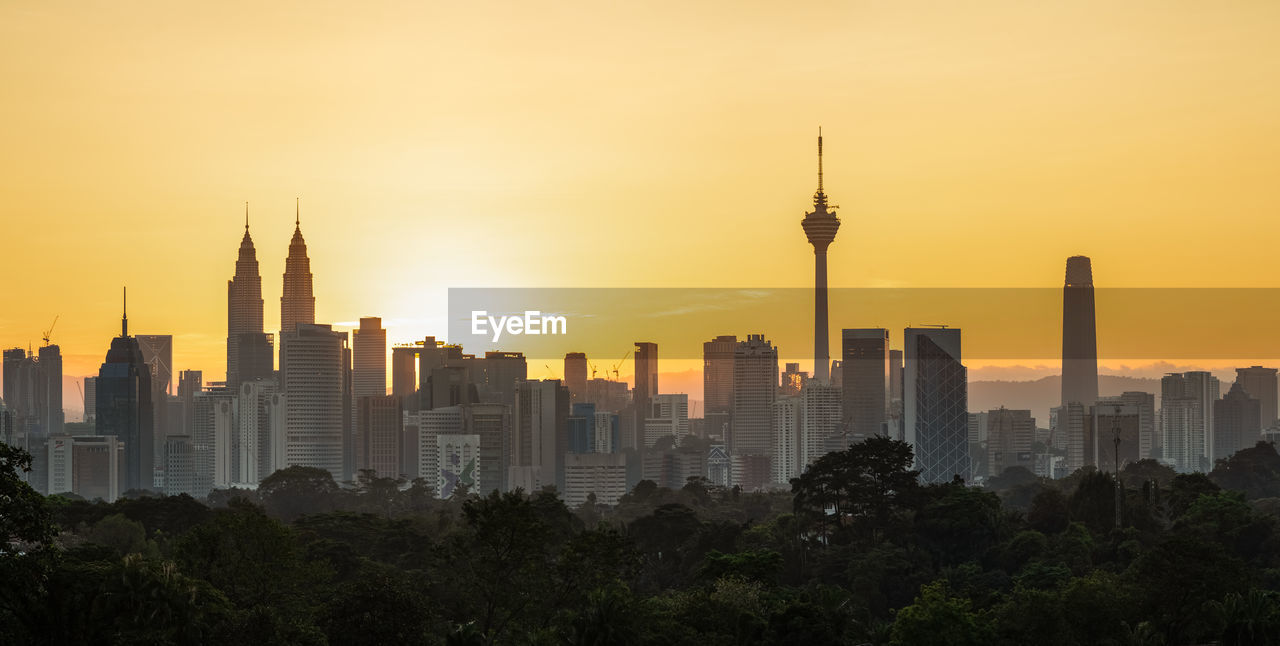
[
  {"x": 936, "y": 420},
  {"x": 297, "y": 304},
  {"x": 314, "y": 376},
  {"x": 124, "y": 407},
  {"x": 668, "y": 417},
  {"x": 379, "y": 435},
  {"x": 260, "y": 431},
  {"x": 575, "y": 375},
  {"x": 1079, "y": 336},
  {"x": 88, "y": 466},
  {"x": 646, "y": 386},
  {"x": 603, "y": 475},
  {"x": 1260, "y": 383},
  {"x": 865, "y": 373},
  {"x": 1237, "y": 422},
  {"x": 249, "y": 352},
  {"x": 1009, "y": 436},
  {"x": 369, "y": 354},
  {"x": 1186, "y": 418}
]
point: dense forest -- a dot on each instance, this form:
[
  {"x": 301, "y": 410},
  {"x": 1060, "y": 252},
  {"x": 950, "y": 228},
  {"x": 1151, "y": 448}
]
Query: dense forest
[{"x": 859, "y": 552}]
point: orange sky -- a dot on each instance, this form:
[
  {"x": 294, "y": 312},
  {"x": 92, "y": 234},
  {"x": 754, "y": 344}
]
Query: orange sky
[{"x": 617, "y": 144}]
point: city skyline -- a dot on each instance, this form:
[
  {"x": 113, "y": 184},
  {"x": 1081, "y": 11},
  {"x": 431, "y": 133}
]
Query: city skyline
[{"x": 1000, "y": 159}]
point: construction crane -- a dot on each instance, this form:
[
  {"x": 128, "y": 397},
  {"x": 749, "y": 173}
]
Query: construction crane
[
  {"x": 619, "y": 364},
  {"x": 550, "y": 371},
  {"x": 49, "y": 331},
  {"x": 593, "y": 371}
]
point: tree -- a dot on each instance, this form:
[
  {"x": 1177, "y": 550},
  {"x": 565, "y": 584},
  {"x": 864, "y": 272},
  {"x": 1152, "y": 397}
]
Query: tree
[
  {"x": 856, "y": 492},
  {"x": 938, "y": 618},
  {"x": 297, "y": 490},
  {"x": 1049, "y": 512},
  {"x": 27, "y": 553},
  {"x": 1254, "y": 471}
]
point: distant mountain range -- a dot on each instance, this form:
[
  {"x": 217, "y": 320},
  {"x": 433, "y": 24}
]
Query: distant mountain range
[{"x": 1040, "y": 395}]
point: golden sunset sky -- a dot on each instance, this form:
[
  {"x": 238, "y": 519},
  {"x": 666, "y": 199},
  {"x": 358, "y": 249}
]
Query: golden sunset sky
[{"x": 601, "y": 144}]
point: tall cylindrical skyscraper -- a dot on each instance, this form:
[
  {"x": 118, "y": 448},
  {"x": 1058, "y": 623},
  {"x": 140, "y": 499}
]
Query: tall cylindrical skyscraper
[
  {"x": 1079, "y": 335},
  {"x": 820, "y": 227}
]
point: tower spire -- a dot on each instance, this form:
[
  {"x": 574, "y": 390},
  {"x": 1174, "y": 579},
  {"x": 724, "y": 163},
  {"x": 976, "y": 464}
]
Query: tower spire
[
  {"x": 297, "y": 214},
  {"x": 819, "y": 160},
  {"x": 246, "y": 217},
  {"x": 124, "y": 313}
]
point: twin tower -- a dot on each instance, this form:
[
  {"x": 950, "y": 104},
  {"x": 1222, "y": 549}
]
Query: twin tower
[{"x": 249, "y": 348}]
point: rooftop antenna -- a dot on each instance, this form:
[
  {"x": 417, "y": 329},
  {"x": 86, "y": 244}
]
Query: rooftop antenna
[
  {"x": 124, "y": 316},
  {"x": 819, "y": 159},
  {"x": 297, "y": 213},
  {"x": 246, "y": 217}
]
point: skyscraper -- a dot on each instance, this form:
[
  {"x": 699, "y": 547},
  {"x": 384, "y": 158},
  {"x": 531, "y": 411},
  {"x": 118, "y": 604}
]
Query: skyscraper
[
  {"x": 1009, "y": 437},
  {"x": 755, "y": 387},
  {"x": 575, "y": 375},
  {"x": 297, "y": 304},
  {"x": 1236, "y": 422},
  {"x": 1260, "y": 384},
  {"x": 717, "y": 383},
  {"x": 312, "y": 375},
  {"x": 124, "y": 406},
  {"x": 378, "y": 441},
  {"x": 865, "y": 368},
  {"x": 260, "y": 430},
  {"x": 1186, "y": 419},
  {"x": 369, "y": 351},
  {"x": 50, "y": 414},
  {"x": 1079, "y": 336},
  {"x": 935, "y": 406},
  {"x": 249, "y": 354},
  {"x": 157, "y": 352},
  {"x": 820, "y": 227},
  {"x": 540, "y": 439},
  {"x": 646, "y": 376}
]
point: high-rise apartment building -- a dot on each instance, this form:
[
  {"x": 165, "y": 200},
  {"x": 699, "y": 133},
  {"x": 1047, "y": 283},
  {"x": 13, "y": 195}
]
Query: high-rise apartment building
[
  {"x": 1186, "y": 419},
  {"x": 668, "y": 416},
  {"x": 755, "y": 387},
  {"x": 260, "y": 431},
  {"x": 379, "y": 431}
]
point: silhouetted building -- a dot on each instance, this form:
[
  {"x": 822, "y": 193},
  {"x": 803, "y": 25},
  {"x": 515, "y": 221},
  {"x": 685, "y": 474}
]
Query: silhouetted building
[
  {"x": 895, "y": 394},
  {"x": 378, "y": 435},
  {"x": 313, "y": 374},
  {"x": 717, "y": 381},
  {"x": 496, "y": 376},
  {"x": 936, "y": 419},
  {"x": 157, "y": 352},
  {"x": 249, "y": 351},
  {"x": 865, "y": 369},
  {"x": 1236, "y": 422},
  {"x": 124, "y": 407},
  {"x": 297, "y": 304},
  {"x": 1009, "y": 436},
  {"x": 1260, "y": 384},
  {"x": 755, "y": 387},
  {"x": 1079, "y": 336},
  {"x": 1144, "y": 406},
  {"x": 404, "y": 375},
  {"x": 786, "y": 438},
  {"x": 646, "y": 380},
  {"x": 820, "y": 228},
  {"x": 369, "y": 353},
  {"x": 575, "y": 375},
  {"x": 1108, "y": 422},
  {"x": 190, "y": 382},
  {"x": 459, "y": 460},
  {"x": 90, "y": 403},
  {"x": 540, "y": 437},
  {"x": 492, "y": 424},
  {"x": 213, "y": 437},
  {"x": 582, "y": 428},
  {"x": 792, "y": 380}
]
